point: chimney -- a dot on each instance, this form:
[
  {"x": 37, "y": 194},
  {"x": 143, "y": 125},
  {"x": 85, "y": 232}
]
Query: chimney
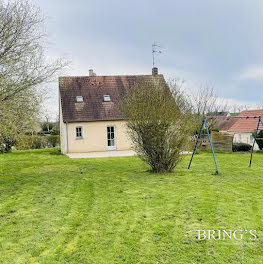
[
  {"x": 91, "y": 73},
  {"x": 154, "y": 71}
]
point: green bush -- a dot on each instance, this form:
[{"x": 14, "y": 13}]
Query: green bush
[
  {"x": 53, "y": 141},
  {"x": 204, "y": 132},
  {"x": 37, "y": 142},
  {"x": 241, "y": 147},
  {"x": 259, "y": 142},
  {"x": 214, "y": 129},
  {"x": 6, "y": 144},
  {"x": 54, "y": 131}
]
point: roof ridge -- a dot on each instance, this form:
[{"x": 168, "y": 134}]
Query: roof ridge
[{"x": 127, "y": 75}]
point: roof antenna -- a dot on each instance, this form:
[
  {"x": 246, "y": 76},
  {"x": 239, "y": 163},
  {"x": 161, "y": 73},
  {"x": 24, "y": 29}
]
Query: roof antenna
[{"x": 155, "y": 49}]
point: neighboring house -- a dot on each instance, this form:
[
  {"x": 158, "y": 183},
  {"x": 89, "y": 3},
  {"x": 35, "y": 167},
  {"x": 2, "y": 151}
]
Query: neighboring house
[
  {"x": 89, "y": 116},
  {"x": 243, "y": 128},
  {"x": 221, "y": 120},
  {"x": 224, "y": 124}
]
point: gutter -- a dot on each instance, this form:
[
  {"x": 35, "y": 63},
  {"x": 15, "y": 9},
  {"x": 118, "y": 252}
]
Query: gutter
[{"x": 67, "y": 136}]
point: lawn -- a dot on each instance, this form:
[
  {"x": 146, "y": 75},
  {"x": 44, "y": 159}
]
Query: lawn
[{"x": 113, "y": 210}]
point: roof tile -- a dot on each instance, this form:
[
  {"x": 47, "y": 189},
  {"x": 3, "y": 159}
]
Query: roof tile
[
  {"x": 247, "y": 125},
  {"x": 92, "y": 90}
]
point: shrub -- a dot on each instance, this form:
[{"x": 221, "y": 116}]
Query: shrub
[
  {"x": 6, "y": 144},
  {"x": 159, "y": 123},
  {"x": 258, "y": 140},
  {"x": 54, "y": 131},
  {"x": 241, "y": 147},
  {"x": 214, "y": 129},
  {"x": 53, "y": 141},
  {"x": 204, "y": 132},
  {"x": 37, "y": 142}
]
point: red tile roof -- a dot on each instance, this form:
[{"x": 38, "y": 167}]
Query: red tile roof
[
  {"x": 247, "y": 125},
  {"x": 225, "y": 124},
  {"x": 92, "y": 89}
]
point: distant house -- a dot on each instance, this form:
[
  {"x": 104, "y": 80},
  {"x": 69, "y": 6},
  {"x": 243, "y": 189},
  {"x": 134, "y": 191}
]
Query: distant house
[
  {"x": 89, "y": 116},
  {"x": 224, "y": 124},
  {"x": 243, "y": 128}
]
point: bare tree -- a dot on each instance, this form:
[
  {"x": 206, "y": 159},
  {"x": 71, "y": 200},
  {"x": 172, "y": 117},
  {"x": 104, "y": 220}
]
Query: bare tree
[
  {"x": 23, "y": 64},
  {"x": 204, "y": 100},
  {"x": 47, "y": 117}
]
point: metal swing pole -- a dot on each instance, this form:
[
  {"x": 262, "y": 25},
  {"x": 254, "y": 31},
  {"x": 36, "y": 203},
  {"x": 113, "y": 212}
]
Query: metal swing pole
[
  {"x": 199, "y": 134},
  {"x": 254, "y": 141},
  {"x": 211, "y": 145}
]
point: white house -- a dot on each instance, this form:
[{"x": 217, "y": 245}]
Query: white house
[{"x": 243, "y": 128}]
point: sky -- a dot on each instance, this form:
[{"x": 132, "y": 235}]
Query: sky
[{"x": 218, "y": 42}]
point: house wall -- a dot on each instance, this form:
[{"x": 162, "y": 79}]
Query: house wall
[
  {"x": 63, "y": 131},
  {"x": 244, "y": 137},
  {"x": 95, "y": 137}
]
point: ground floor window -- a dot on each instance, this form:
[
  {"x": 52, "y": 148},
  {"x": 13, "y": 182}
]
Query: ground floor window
[{"x": 79, "y": 132}]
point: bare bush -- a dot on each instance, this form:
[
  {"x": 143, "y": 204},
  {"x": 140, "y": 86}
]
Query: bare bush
[{"x": 158, "y": 121}]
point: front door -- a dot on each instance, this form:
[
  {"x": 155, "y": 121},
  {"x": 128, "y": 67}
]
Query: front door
[{"x": 111, "y": 138}]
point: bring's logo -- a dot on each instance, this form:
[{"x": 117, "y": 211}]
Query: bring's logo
[{"x": 238, "y": 234}]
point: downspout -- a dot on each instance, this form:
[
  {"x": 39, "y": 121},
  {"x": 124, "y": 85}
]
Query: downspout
[{"x": 67, "y": 136}]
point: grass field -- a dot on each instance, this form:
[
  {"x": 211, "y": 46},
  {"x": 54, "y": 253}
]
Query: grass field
[{"x": 57, "y": 210}]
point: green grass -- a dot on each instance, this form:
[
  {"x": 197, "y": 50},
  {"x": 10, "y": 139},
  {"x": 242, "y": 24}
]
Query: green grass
[{"x": 113, "y": 210}]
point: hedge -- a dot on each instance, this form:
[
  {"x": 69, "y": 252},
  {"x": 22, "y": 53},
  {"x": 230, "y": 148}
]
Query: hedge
[
  {"x": 241, "y": 147},
  {"x": 38, "y": 142}
]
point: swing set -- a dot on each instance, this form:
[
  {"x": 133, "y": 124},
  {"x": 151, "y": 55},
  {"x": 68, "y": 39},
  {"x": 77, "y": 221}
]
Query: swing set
[{"x": 204, "y": 123}]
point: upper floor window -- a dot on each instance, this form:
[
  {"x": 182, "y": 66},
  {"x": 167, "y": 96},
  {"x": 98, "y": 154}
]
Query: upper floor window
[
  {"x": 79, "y": 132},
  {"x": 106, "y": 98},
  {"x": 79, "y": 99}
]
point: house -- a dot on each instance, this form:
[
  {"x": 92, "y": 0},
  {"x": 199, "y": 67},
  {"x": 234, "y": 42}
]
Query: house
[
  {"x": 243, "y": 128},
  {"x": 89, "y": 116},
  {"x": 224, "y": 124}
]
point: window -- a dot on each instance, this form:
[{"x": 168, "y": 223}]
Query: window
[
  {"x": 79, "y": 99},
  {"x": 111, "y": 138},
  {"x": 79, "y": 132},
  {"x": 106, "y": 98}
]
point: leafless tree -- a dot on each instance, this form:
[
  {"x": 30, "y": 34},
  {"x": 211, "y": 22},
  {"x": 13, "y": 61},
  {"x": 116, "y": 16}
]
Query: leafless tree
[
  {"x": 23, "y": 63},
  {"x": 204, "y": 100}
]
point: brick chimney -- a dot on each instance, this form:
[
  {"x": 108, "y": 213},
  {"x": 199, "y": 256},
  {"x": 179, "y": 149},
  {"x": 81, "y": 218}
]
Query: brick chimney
[
  {"x": 154, "y": 71},
  {"x": 91, "y": 73}
]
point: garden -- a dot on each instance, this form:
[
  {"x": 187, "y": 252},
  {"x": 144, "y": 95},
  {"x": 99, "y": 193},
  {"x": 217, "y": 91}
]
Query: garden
[{"x": 115, "y": 210}]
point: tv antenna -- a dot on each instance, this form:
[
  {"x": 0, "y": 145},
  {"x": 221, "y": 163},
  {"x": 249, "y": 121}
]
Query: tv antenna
[{"x": 155, "y": 49}]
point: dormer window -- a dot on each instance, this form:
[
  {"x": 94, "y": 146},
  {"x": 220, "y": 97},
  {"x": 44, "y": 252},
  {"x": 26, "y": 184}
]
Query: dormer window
[
  {"x": 106, "y": 98},
  {"x": 79, "y": 99}
]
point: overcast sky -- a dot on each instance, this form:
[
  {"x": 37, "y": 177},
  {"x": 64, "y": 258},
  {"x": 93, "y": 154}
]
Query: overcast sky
[{"x": 218, "y": 42}]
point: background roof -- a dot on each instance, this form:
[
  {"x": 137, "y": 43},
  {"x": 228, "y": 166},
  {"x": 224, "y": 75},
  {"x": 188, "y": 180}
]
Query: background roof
[{"x": 247, "y": 125}]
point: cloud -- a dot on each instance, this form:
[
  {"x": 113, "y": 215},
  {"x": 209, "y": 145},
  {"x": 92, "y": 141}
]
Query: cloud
[{"x": 252, "y": 73}]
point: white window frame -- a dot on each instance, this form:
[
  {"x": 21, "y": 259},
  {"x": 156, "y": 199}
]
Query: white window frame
[
  {"x": 79, "y": 99},
  {"x": 76, "y": 132},
  {"x": 106, "y": 98}
]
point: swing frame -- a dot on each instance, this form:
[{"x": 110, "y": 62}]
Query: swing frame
[{"x": 204, "y": 123}]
